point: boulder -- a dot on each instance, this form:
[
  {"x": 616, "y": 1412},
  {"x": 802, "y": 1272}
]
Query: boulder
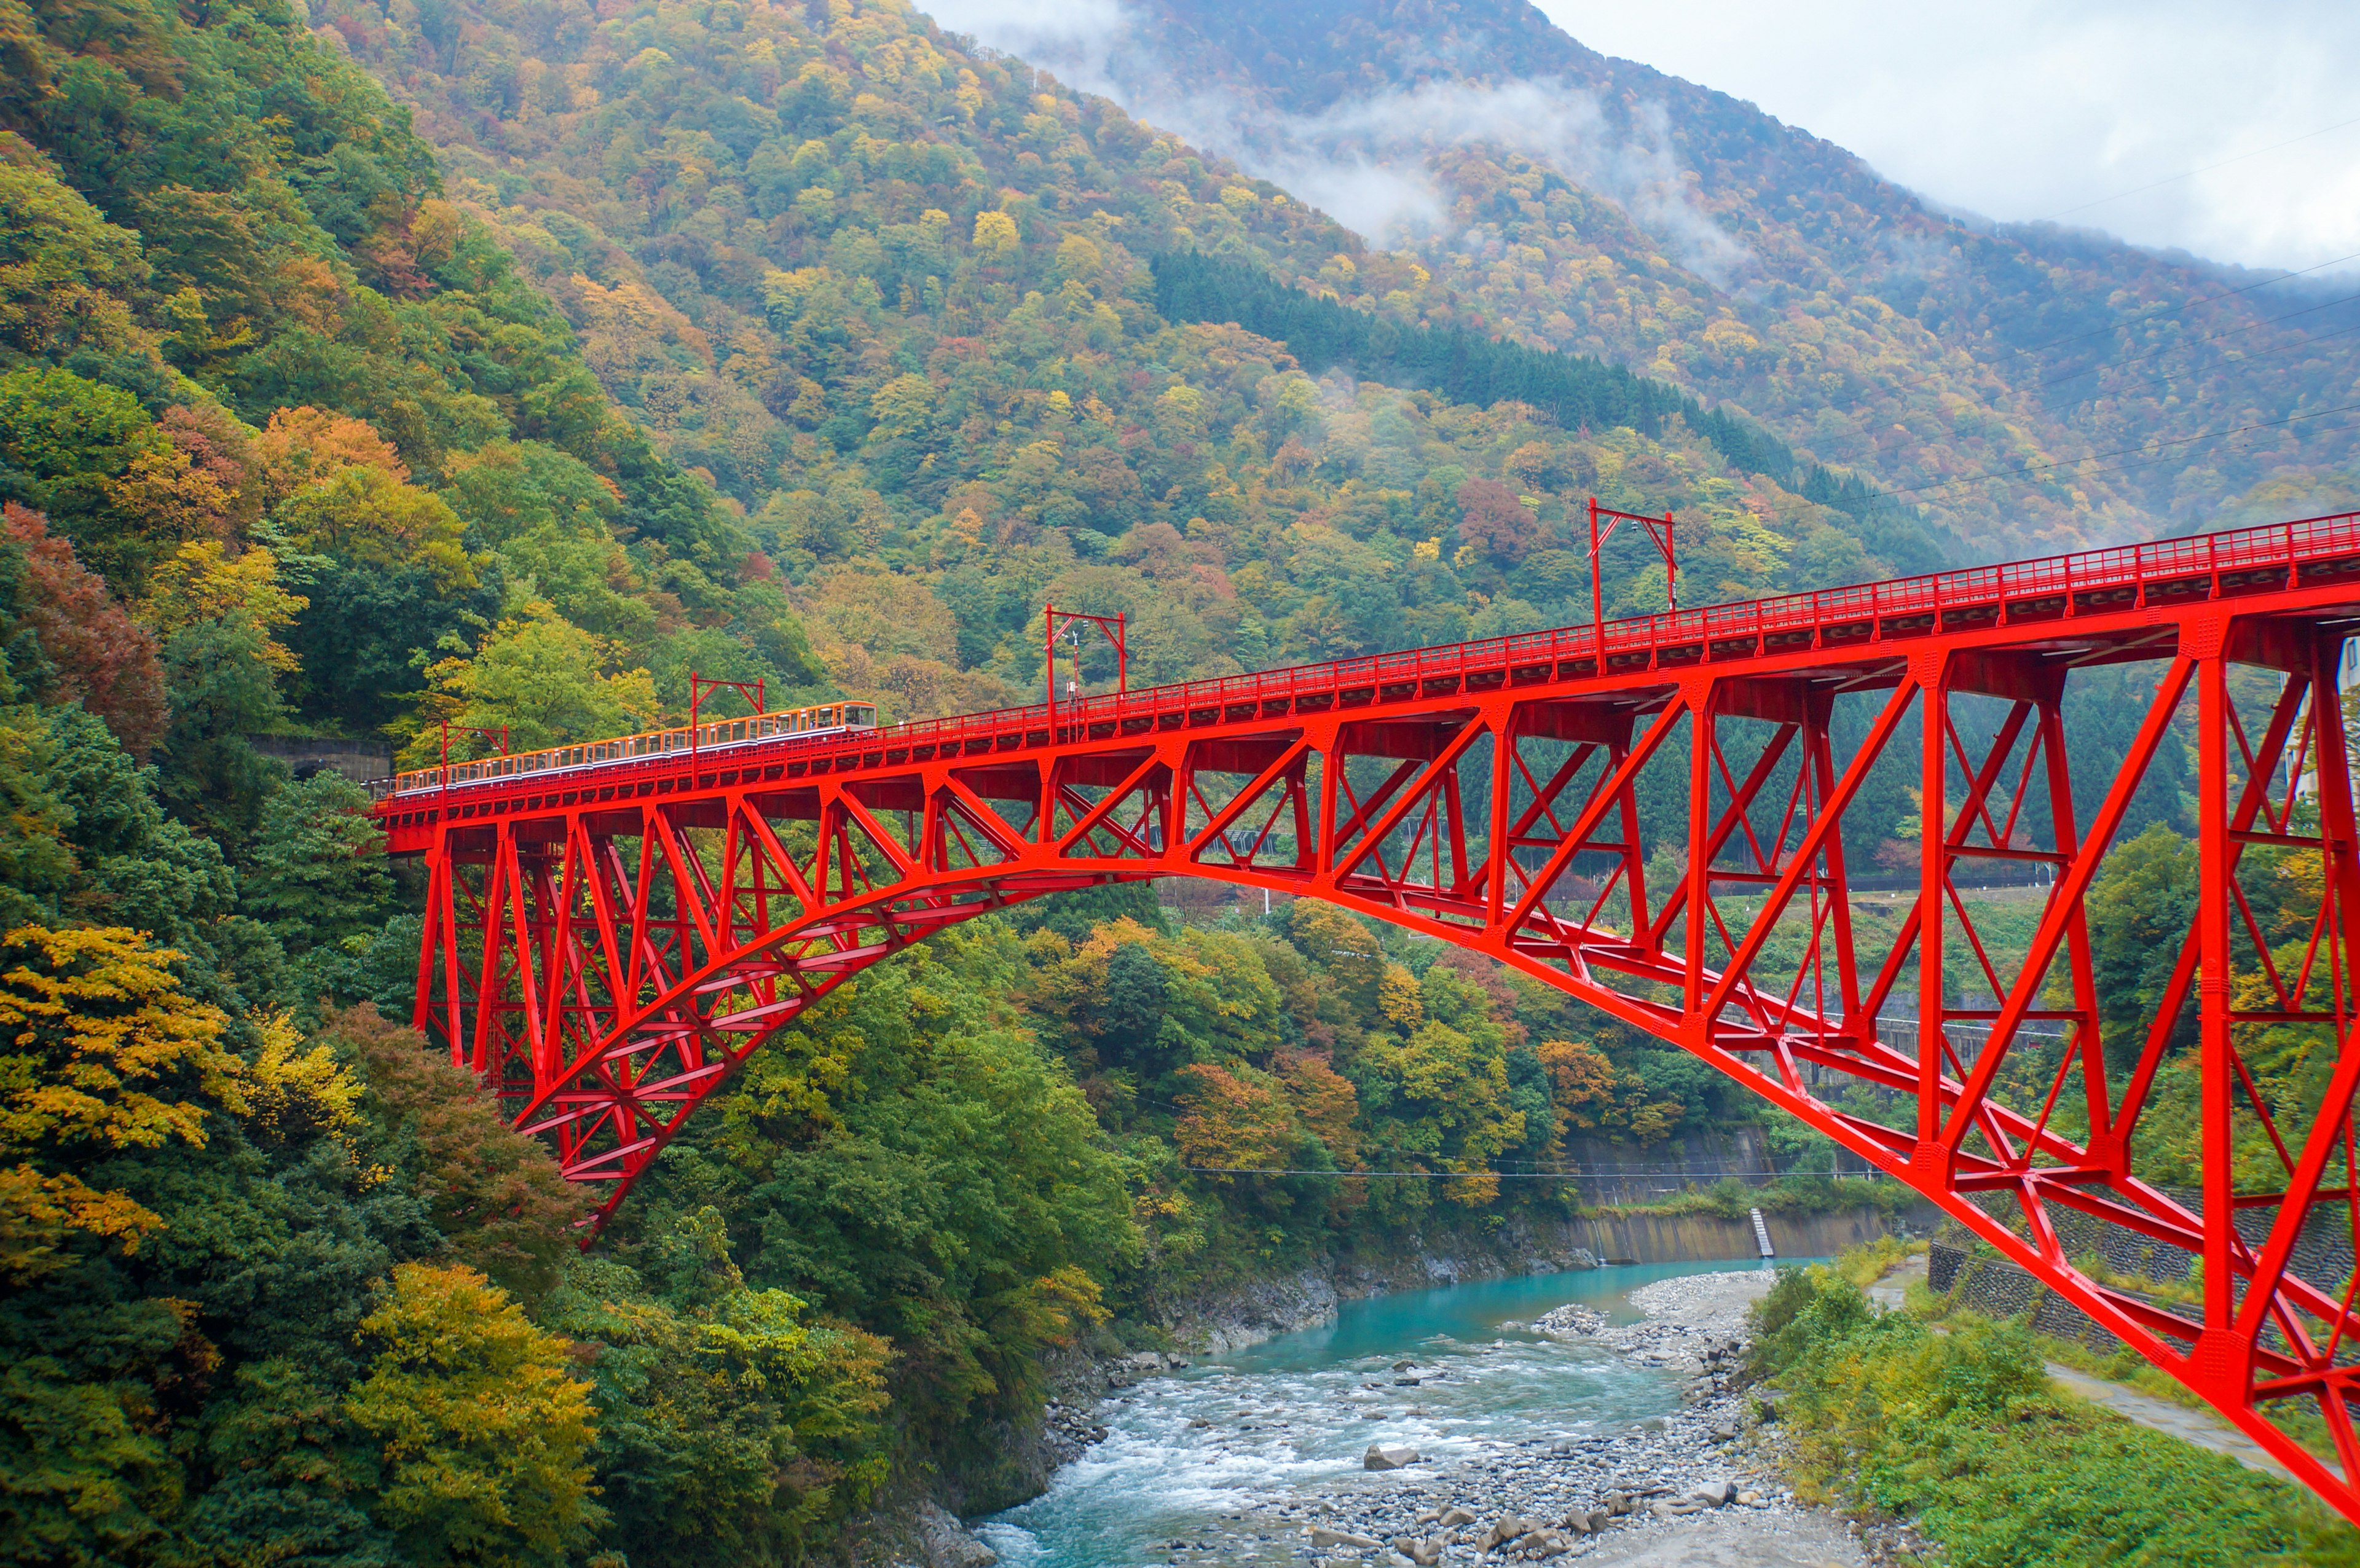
[
  {"x": 1322, "y": 1536},
  {"x": 1452, "y": 1517},
  {"x": 947, "y": 1545},
  {"x": 1427, "y": 1553},
  {"x": 1543, "y": 1543},
  {"x": 1506, "y": 1528},
  {"x": 1388, "y": 1458}
]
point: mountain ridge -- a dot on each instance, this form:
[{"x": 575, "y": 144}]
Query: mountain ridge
[{"x": 1871, "y": 309}]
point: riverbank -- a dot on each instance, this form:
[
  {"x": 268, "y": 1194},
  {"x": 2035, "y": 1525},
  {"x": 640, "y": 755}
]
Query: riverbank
[
  {"x": 1225, "y": 1317},
  {"x": 1438, "y": 1427},
  {"x": 1674, "y": 1491}
]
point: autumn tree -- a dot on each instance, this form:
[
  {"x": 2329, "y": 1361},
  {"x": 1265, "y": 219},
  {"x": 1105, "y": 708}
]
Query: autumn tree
[
  {"x": 485, "y": 1437},
  {"x": 498, "y": 1199},
  {"x": 101, "y": 1051},
  {"x": 542, "y": 679},
  {"x": 1494, "y": 522},
  {"x": 95, "y": 653}
]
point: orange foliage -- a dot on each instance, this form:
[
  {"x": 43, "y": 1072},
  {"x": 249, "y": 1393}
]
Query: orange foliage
[
  {"x": 101, "y": 657},
  {"x": 308, "y": 446},
  {"x": 1238, "y": 1121}
]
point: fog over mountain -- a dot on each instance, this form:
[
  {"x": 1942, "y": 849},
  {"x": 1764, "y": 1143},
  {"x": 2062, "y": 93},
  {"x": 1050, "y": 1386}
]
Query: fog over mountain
[{"x": 1405, "y": 121}]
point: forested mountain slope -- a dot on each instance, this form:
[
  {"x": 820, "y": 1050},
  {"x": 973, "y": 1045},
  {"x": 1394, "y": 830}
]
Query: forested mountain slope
[
  {"x": 343, "y": 464},
  {"x": 1547, "y": 191},
  {"x": 660, "y": 333},
  {"x": 895, "y": 298}
]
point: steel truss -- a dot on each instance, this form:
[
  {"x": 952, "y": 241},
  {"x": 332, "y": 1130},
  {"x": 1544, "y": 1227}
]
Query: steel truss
[{"x": 1665, "y": 842}]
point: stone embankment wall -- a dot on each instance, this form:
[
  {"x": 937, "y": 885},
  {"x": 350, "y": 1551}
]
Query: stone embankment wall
[
  {"x": 1997, "y": 1289},
  {"x": 1606, "y": 1175},
  {"x": 2135, "y": 1264},
  {"x": 1248, "y": 1313}
]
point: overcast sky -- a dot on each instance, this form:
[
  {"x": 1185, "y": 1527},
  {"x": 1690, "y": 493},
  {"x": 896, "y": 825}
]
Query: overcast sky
[{"x": 2020, "y": 109}]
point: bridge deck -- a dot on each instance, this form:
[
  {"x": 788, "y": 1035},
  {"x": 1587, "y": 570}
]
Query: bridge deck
[{"x": 1849, "y": 625}]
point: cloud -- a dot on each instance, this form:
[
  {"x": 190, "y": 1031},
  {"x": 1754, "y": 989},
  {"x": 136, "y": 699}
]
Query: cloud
[
  {"x": 1368, "y": 161},
  {"x": 2024, "y": 110}
]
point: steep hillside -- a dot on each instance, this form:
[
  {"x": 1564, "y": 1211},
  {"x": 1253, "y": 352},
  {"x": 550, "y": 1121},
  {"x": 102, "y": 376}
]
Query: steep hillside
[
  {"x": 895, "y": 298},
  {"x": 343, "y": 465},
  {"x": 2034, "y": 386}
]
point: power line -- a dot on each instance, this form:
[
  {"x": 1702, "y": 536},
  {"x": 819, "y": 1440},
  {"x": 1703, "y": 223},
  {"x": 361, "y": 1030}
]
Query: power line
[
  {"x": 1600, "y": 1174},
  {"x": 2190, "y": 174},
  {"x": 2170, "y": 375},
  {"x": 2124, "y": 468},
  {"x": 2194, "y": 343}
]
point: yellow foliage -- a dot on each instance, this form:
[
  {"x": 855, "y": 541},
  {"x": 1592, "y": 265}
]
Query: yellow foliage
[
  {"x": 292, "y": 1094},
  {"x": 485, "y": 1440},
  {"x": 39, "y": 1213},
  {"x": 98, "y": 1048},
  {"x": 95, "y": 1027},
  {"x": 1398, "y": 997},
  {"x": 995, "y": 234},
  {"x": 173, "y": 498},
  {"x": 308, "y": 446},
  {"x": 202, "y": 582},
  {"x": 1067, "y": 1299},
  {"x": 363, "y": 514}
]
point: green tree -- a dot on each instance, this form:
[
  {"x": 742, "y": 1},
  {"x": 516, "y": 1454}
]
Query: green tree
[
  {"x": 542, "y": 678},
  {"x": 318, "y": 879}
]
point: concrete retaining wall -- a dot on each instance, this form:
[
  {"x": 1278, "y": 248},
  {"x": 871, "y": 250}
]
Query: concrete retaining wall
[{"x": 1704, "y": 1239}]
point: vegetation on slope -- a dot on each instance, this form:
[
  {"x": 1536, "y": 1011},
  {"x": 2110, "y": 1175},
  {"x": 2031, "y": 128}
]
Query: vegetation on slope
[
  {"x": 1961, "y": 1433},
  {"x": 290, "y": 437},
  {"x": 1597, "y": 205},
  {"x": 895, "y": 296}
]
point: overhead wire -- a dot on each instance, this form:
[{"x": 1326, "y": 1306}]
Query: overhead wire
[
  {"x": 2195, "y": 343},
  {"x": 1603, "y": 1173},
  {"x": 2297, "y": 345},
  {"x": 2144, "y": 448},
  {"x": 2192, "y": 173}
]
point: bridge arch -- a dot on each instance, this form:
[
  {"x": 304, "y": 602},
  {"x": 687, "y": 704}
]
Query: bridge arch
[{"x": 1654, "y": 826}]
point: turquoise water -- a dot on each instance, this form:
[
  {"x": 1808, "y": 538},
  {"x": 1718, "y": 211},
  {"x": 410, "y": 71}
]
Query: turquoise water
[{"x": 1289, "y": 1419}]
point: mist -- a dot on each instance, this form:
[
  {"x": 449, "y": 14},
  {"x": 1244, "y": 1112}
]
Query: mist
[{"x": 1369, "y": 161}]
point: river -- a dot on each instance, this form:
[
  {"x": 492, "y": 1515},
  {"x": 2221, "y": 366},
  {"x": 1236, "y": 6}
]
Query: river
[{"x": 1230, "y": 1456}]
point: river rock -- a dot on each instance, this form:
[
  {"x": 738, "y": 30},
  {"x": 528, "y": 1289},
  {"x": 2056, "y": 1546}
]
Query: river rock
[
  {"x": 1570, "y": 1319},
  {"x": 1717, "y": 1493},
  {"x": 1506, "y": 1528},
  {"x": 946, "y": 1542},
  {"x": 1322, "y": 1536},
  {"x": 1452, "y": 1517},
  {"x": 1388, "y": 1458}
]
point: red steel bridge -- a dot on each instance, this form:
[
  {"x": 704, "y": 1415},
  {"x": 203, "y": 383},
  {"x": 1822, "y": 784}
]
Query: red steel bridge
[{"x": 1647, "y": 815}]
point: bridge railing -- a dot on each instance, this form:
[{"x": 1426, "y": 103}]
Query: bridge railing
[{"x": 1914, "y": 603}]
